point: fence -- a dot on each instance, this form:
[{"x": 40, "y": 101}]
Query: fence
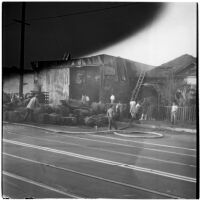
[{"x": 164, "y": 113}]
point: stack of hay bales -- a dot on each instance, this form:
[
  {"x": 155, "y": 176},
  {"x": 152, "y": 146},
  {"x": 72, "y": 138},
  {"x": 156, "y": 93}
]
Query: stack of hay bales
[
  {"x": 46, "y": 109},
  {"x": 61, "y": 110},
  {"x": 14, "y": 116},
  {"x": 41, "y": 114},
  {"x": 69, "y": 120},
  {"x": 43, "y": 118},
  {"x": 5, "y": 115},
  {"x": 96, "y": 120},
  {"x": 81, "y": 114},
  {"x": 55, "y": 118},
  {"x": 98, "y": 108}
]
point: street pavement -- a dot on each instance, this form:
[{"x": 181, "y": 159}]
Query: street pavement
[{"x": 62, "y": 162}]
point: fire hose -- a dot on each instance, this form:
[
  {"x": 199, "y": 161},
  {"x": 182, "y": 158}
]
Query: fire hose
[{"x": 120, "y": 132}]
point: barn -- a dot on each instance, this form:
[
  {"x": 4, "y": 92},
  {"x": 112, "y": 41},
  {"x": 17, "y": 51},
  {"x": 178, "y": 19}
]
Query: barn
[{"x": 96, "y": 76}]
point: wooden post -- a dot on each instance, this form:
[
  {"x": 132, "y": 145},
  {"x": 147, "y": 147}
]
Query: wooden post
[{"x": 22, "y": 50}]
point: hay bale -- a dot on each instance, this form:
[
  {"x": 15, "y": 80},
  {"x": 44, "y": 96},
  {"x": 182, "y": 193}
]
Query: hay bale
[
  {"x": 98, "y": 108},
  {"x": 102, "y": 107},
  {"x": 5, "y": 115},
  {"x": 22, "y": 110},
  {"x": 55, "y": 118},
  {"x": 61, "y": 110},
  {"x": 94, "y": 107},
  {"x": 69, "y": 120},
  {"x": 71, "y": 115},
  {"x": 81, "y": 112},
  {"x": 74, "y": 102},
  {"x": 42, "y": 118},
  {"x": 46, "y": 109},
  {"x": 89, "y": 121},
  {"x": 15, "y": 116},
  {"x": 37, "y": 111},
  {"x": 102, "y": 120},
  {"x": 99, "y": 120}
]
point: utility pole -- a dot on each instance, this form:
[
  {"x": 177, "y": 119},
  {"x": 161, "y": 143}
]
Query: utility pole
[
  {"x": 23, "y": 23},
  {"x": 22, "y": 50}
]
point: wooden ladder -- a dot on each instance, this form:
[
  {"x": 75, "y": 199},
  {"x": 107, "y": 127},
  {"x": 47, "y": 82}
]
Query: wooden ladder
[{"x": 136, "y": 90}]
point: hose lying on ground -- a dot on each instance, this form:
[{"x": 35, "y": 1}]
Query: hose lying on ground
[{"x": 124, "y": 133}]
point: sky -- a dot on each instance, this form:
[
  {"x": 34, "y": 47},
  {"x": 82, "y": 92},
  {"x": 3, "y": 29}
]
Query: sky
[
  {"x": 151, "y": 33},
  {"x": 171, "y": 35}
]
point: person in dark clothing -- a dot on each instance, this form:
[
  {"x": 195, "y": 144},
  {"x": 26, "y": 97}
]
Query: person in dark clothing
[
  {"x": 145, "y": 106},
  {"x": 111, "y": 118}
]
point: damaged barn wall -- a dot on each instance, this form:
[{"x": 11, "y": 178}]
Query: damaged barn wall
[
  {"x": 119, "y": 77},
  {"x": 85, "y": 80},
  {"x": 56, "y": 82},
  {"x": 96, "y": 76}
]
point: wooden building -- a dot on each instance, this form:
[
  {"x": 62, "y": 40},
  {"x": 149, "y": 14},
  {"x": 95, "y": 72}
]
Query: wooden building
[
  {"x": 97, "y": 76},
  {"x": 164, "y": 81}
]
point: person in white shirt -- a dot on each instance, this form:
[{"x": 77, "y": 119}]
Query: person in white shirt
[
  {"x": 87, "y": 98},
  {"x": 174, "y": 113},
  {"x": 132, "y": 108},
  {"x": 112, "y": 99},
  {"x": 83, "y": 99},
  {"x": 33, "y": 103},
  {"x": 132, "y": 111}
]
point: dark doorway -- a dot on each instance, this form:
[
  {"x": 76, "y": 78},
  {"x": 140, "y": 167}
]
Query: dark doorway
[{"x": 85, "y": 80}]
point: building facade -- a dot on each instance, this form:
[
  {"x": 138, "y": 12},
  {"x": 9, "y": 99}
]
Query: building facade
[{"x": 96, "y": 76}]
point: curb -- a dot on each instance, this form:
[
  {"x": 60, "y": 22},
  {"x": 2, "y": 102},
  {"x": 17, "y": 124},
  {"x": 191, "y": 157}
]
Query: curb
[
  {"x": 194, "y": 131},
  {"x": 187, "y": 130}
]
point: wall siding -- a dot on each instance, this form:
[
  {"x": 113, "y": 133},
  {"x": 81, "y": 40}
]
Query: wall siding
[{"x": 56, "y": 82}]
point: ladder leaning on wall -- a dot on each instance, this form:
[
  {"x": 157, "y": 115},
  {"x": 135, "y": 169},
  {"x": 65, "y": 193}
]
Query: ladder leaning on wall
[{"x": 136, "y": 90}]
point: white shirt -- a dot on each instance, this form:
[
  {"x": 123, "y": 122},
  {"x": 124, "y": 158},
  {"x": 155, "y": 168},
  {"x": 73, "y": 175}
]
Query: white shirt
[
  {"x": 87, "y": 98},
  {"x": 132, "y": 106},
  {"x": 132, "y": 103},
  {"x": 174, "y": 108},
  {"x": 112, "y": 98},
  {"x": 32, "y": 103}
]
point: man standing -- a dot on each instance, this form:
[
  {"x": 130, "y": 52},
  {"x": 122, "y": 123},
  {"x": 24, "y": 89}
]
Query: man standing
[
  {"x": 33, "y": 103},
  {"x": 137, "y": 110},
  {"x": 112, "y": 98},
  {"x": 87, "y": 98},
  {"x": 132, "y": 109},
  {"x": 111, "y": 120},
  {"x": 174, "y": 113},
  {"x": 119, "y": 108},
  {"x": 145, "y": 106}
]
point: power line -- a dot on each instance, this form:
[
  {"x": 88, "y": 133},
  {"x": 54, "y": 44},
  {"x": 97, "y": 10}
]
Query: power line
[
  {"x": 73, "y": 14},
  {"x": 79, "y": 12}
]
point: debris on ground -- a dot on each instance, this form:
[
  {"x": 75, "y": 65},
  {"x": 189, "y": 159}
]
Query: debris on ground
[{"x": 71, "y": 112}]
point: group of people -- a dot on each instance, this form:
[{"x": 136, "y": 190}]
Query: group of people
[
  {"x": 114, "y": 112},
  {"x": 134, "y": 110},
  {"x": 85, "y": 99},
  {"x": 138, "y": 111}
]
